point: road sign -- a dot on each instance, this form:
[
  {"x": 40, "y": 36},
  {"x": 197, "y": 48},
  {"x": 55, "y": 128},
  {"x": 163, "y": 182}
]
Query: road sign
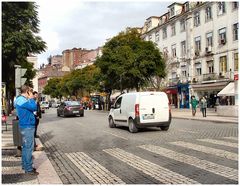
[{"x": 19, "y": 73}]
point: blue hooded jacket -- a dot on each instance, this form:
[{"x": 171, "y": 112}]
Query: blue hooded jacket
[{"x": 25, "y": 108}]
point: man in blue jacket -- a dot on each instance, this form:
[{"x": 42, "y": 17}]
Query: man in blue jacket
[{"x": 25, "y": 106}]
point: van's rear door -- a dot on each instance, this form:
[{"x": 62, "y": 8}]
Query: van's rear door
[{"x": 153, "y": 107}]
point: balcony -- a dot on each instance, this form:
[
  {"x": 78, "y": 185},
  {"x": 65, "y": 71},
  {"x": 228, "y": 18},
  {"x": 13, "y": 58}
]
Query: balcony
[
  {"x": 209, "y": 77},
  {"x": 173, "y": 81}
]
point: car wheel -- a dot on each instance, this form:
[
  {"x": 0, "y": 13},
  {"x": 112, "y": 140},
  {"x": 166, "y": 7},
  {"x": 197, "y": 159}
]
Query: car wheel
[
  {"x": 81, "y": 115},
  {"x": 111, "y": 122},
  {"x": 64, "y": 115},
  {"x": 132, "y": 126},
  {"x": 58, "y": 114},
  {"x": 165, "y": 128}
]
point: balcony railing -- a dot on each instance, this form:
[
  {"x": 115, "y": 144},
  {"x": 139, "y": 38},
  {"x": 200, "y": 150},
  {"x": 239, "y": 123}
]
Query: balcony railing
[
  {"x": 211, "y": 76},
  {"x": 173, "y": 81}
]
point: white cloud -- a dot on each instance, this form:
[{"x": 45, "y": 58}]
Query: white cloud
[{"x": 87, "y": 24}]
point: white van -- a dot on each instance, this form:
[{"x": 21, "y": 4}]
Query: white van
[{"x": 140, "y": 110}]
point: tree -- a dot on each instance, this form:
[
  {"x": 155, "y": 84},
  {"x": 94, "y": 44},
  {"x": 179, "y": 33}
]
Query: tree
[
  {"x": 129, "y": 62},
  {"x": 19, "y": 39},
  {"x": 52, "y": 88}
]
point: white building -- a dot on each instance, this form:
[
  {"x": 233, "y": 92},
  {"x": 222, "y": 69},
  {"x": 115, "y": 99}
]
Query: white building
[{"x": 199, "y": 41}]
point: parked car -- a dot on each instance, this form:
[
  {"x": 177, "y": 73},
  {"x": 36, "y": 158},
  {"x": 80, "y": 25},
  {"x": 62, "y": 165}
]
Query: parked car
[
  {"x": 56, "y": 104},
  {"x": 70, "y": 108},
  {"x": 44, "y": 104},
  {"x": 140, "y": 110}
]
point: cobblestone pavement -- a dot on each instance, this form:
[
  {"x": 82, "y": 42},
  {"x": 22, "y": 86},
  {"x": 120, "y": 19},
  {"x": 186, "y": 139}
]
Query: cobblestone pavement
[{"x": 191, "y": 152}]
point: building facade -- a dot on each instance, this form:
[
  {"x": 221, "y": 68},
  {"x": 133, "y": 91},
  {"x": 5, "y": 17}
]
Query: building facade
[
  {"x": 79, "y": 57},
  {"x": 199, "y": 41}
]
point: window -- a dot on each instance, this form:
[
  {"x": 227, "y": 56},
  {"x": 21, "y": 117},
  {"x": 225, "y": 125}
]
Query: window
[
  {"x": 208, "y": 13},
  {"x": 198, "y": 70},
  {"x": 182, "y": 25},
  {"x": 173, "y": 30},
  {"x": 164, "y": 32},
  {"x": 172, "y": 12},
  {"x": 197, "y": 45},
  {"x": 118, "y": 103},
  {"x": 209, "y": 37},
  {"x": 236, "y": 62},
  {"x": 196, "y": 18},
  {"x": 150, "y": 37},
  {"x": 165, "y": 52},
  {"x": 235, "y": 32},
  {"x": 223, "y": 64},
  {"x": 210, "y": 66},
  {"x": 221, "y": 8},
  {"x": 157, "y": 36},
  {"x": 222, "y": 36},
  {"x": 183, "y": 48},
  {"x": 174, "y": 52},
  {"x": 184, "y": 73},
  {"x": 235, "y": 5}
]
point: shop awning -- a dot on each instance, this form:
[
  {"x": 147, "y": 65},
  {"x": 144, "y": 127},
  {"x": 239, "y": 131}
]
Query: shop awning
[{"x": 228, "y": 90}]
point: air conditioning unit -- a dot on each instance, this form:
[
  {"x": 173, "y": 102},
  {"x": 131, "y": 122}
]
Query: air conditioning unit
[
  {"x": 196, "y": 53},
  {"x": 223, "y": 41},
  {"x": 209, "y": 49}
]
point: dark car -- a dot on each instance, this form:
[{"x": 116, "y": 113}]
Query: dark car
[{"x": 70, "y": 108}]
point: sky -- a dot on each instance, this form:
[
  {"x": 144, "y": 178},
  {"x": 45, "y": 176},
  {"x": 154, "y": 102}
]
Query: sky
[{"x": 88, "y": 24}]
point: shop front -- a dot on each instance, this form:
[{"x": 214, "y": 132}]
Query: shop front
[
  {"x": 210, "y": 91},
  {"x": 172, "y": 96},
  {"x": 183, "y": 95}
]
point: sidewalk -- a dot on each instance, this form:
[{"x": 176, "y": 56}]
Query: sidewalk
[
  {"x": 12, "y": 172},
  {"x": 211, "y": 116}
]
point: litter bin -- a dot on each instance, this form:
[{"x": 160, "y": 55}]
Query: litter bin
[{"x": 17, "y": 137}]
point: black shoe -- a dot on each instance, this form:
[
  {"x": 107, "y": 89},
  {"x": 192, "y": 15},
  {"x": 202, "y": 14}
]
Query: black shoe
[
  {"x": 34, "y": 169},
  {"x": 33, "y": 173},
  {"x": 37, "y": 136}
]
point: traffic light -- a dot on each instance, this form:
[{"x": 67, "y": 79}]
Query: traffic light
[{"x": 19, "y": 73}]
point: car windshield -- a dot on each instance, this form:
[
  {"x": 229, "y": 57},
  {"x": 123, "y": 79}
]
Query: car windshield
[{"x": 72, "y": 103}]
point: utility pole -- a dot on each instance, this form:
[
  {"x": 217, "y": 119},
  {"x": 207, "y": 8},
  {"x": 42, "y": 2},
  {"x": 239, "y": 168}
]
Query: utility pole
[{"x": 19, "y": 81}]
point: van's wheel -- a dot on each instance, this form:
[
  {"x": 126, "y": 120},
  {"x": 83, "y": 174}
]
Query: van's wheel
[
  {"x": 132, "y": 127},
  {"x": 111, "y": 122},
  {"x": 165, "y": 128}
]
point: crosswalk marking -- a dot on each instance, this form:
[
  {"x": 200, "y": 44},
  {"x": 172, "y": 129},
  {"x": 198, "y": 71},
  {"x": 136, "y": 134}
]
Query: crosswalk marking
[
  {"x": 209, "y": 150},
  {"x": 219, "y": 142},
  {"x": 157, "y": 172},
  {"x": 202, "y": 164},
  {"x": 93, "y": 170},
  {"x": 231, "y": 138}
]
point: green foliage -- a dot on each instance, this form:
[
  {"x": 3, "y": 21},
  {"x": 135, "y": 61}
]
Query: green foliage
[
  {"x": 77, "y": 83},
  {"x": 52, "y": 88},
  {"x": 129, "y": 62},
  {"x": 19, "y": 39}
]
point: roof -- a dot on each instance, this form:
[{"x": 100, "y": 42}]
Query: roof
[{"x": 175, "y": 4}]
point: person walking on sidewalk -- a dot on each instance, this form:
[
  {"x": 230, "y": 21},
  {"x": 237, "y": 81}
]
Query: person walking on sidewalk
[
  {"x": 194, "y": 104},
  {"x": 204, "y": 106},
  {"x": 38, "y": 115},
  {"x": 25, "y": 106}
]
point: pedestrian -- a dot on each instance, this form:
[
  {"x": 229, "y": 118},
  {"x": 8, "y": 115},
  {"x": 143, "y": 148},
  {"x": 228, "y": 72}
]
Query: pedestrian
[
  {"x": 38, "y": 115},
  {"x": 25, "y": 106},
  {"x": 194, "y": 104},
  {"x": 204, "y": 106}
]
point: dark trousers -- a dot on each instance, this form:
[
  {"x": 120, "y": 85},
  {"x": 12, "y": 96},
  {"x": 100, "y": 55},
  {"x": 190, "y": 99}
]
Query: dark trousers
[
  {"x": 35, "y": 132},
  {"x": 204, "y": 110}
]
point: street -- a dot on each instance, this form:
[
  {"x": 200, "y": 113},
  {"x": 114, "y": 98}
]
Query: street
[{"x": 84, "y": 150}]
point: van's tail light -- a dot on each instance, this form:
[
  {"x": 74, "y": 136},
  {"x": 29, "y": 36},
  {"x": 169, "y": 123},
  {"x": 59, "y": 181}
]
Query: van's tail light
[{"x": 136, "y": 110}]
